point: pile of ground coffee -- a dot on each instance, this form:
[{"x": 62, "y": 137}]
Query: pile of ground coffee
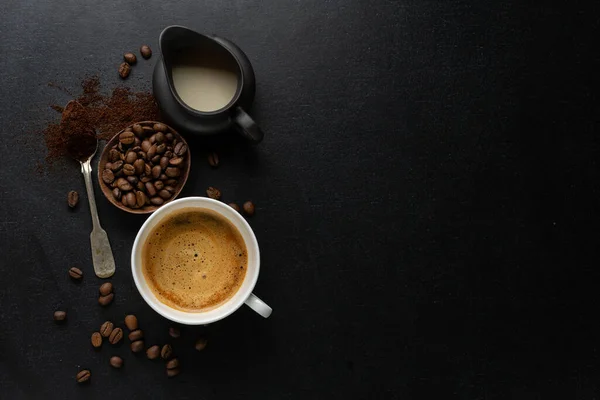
[{"x": 94, "y": 112}]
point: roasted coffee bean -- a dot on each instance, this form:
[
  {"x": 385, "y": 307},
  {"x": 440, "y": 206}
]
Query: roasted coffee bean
[
  {"x": 107, "y": 176},
  {"x": 72, "y": 198},
  {"x": 132, "y": 179},
  {"x": 146, "y": 51},
  {"x": 116, "y": 362},
  {"x": 130, "y": 58},
  {"x": 170, "y": 189},
  {"x": 107, "y": 328},
  {"x": 165, "y": 194},
  {"x": 116, "y": 192},
  {"x": 151, "y": 152},
  {"x": 146, "y": 179},
  {"x": 142, "y": 155},
  {"x": 136, "y": 335},
  {"x": 126, "y": 138},
  {"x": 156, "y": 159},
  {"x": 130, "y": 157},
  {"x": 130, "y": 199},
  {"x": 138, "y": 166},
  {"x": 60, "y": 316},
  {"x": 117, "y": 165},
  {"x": 171, "y": 373},
  {"x": 140, "y": 198},
  {"x": 158, "y": 127},
  {"x": 146, "y": 146},
  {"x": 173, "y": 363},
  {"x": 138, "y": 130},
  {"x": 147, "y": 170},
  {"x": 136, "y": 144},
  {"x": 121, "y": 150},
  {"x": 150, "y": 189},
  {"x": 157, "y": 201},
  {"x": 169, "y": 137},
  {"x": 75, "y": 273},
  {"x": 124, "y": 70},
  {"x": 213, "y": 193},
  {"x": 114, "y": 155},
  {"x": 201, "y": 343},
  {"x": 174, "y": 332},
  {"x": 124, "y": 185},
  {"x": 159, "y": 185},
  {"x": 172, "y": 172},
  {"x": 161, "y": 148},
  {"x": 166, "y": 352},
  {"x": 119, "y": 173},
  {"x": 234, "y": 206},
  {"x": 137, "y": 346},
  {"x": 153, "y": 352},
  {"x": 180, "y": 149},
  {"x": 96, "y": 339},
  {"x": 137, "y": 148},
  {"x": 128, "y": 169},
  {"x": 213, "y": 160},
  {"x": 148, "y": 131},
  {"x": 106, "y": 300},
  {"x": 123, "y": 201},
  {"x": 176, "y": 161},
  {"x": 83, "y": 376},
  {"x": 171, "y": 182},
  {"x": 160, "y": 138},
  {"x": 140, "y": 186},
  {"x": 249, "y": 208},
  {"x": 106, "y": 288},
  {"x": 131, "y": 322},
  {"x": 156, "y": 171},
  {"x": 115, "y": 336},
  {"x": 164, "y": 162},
  {"x": 108, "y": 165}
]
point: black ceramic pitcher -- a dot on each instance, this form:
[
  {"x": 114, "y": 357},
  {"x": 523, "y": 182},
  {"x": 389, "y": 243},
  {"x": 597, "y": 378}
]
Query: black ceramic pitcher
[{"x": 177, "y": 40}]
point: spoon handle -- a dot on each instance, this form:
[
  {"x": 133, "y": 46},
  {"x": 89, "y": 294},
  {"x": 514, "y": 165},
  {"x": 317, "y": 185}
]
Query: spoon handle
[{"x": 102, "y": 257}]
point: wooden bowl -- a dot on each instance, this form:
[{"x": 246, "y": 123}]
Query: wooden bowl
[{"x": 107, "y": 189}]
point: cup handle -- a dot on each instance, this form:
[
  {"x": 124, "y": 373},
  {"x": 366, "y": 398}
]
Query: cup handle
[
  {"x": 247, "y": 127},
  {"x": 258, "y": 305}
]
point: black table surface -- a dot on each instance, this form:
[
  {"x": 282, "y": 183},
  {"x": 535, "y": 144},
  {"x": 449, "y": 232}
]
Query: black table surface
[{"x": 426, "y": 202}]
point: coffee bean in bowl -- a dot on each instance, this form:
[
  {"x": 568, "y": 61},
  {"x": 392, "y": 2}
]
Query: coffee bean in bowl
[{"x": 143, "y": 167}]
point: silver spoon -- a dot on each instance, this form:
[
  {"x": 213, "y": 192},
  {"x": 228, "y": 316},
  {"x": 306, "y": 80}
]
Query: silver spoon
[{"x": 102, "y": 256}]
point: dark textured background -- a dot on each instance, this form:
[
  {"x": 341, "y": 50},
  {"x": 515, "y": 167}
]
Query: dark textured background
[{"x": 426, "y": 202}]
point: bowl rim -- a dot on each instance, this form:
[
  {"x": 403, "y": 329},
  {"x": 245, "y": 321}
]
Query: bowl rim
[{"x": 107, "y": 191}]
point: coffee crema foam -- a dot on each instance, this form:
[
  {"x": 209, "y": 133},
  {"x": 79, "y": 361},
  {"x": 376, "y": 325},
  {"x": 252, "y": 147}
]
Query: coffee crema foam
[{"x": 194, "y": 260}]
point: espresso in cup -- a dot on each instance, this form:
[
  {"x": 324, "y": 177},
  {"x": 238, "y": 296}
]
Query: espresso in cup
[{"x": 194, "y": 260}]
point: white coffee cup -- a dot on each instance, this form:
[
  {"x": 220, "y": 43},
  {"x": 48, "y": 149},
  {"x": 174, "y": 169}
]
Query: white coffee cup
[{"x": 244, "y": 293}]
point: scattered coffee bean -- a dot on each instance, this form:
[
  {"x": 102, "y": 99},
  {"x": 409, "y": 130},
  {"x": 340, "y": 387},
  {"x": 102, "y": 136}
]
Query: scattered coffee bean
[
  {"x": 124, "y": 70},
  {"x": 106, "y": 300},
  {"x": 106, "y": 288},
  {"x": 249, "y": 208},
  {"x": 166, "y": 352},
  {"x": 60, "y": 316},
  {"x": 75, "y": 273},
  {"x": 153, "y": 352},
  {"x": 213, "y": 160},
  {"x": 201, "y": 344},
  {"x": 136, "y": 335},
  {"x": 234, "y": 206},
  {"x": 106, "y": 328},
  {"x": 73, "y": 198},
  {"x": 130, "y": 58},
  {"x": 174, "y": 332},
  {"x": 174, "y": 363},
  {"x": 137, "y": 346},
  {"x": 83, "y": 376},
  {"x": 172, "y": 372},
  {"x": 146, "y": 51},
  {"x": 96, "y": 339},
  {"x": 115, "y": 336},
  {"x": 116, "y": 362},
  {"x": 213, "y": 193},
  {"x": 131, "y": 322}
]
